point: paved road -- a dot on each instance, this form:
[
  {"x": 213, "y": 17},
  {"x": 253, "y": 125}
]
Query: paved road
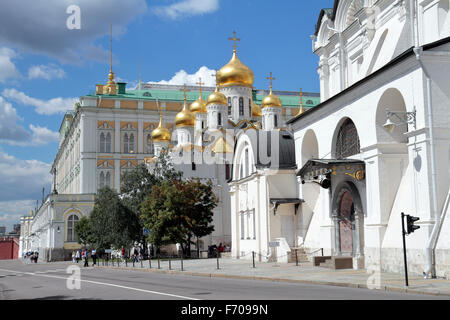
[{"x": 49, "y": 281}]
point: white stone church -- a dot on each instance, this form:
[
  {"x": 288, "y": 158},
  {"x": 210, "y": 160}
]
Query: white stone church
[{"x": 377, "y": 145}]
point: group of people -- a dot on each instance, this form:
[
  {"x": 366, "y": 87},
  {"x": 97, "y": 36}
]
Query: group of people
[
  {"x": 78, "y": 255},
  {"x": 215, "y": 251},
  {"x": 32, "y": 256}
]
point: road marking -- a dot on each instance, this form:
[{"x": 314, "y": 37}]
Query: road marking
[{"x": 39, "y": 274}]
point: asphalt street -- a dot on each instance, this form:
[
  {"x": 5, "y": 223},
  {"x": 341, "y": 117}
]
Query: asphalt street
[{"x": 50, "y": 282}]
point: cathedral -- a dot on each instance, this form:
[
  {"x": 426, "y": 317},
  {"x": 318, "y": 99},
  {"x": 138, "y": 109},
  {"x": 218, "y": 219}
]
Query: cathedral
[
  {"x": 114, "y": 129},
  {"x": 327, "y": 175},
  {"x": 377, "y": 146}
]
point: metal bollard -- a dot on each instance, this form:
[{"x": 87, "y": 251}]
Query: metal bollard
[
  {"x": 142, "y": 264},
  {"x": 133, "y": 263},
  {"x": 218, "y": 263},
  {"x": 170, "y": 266},
  {"x": 182, "y": 262},
  {"x": 159, "y": 266},
  {"x": 150, "y": 262},
  {"x": 253, "y": 256},
  {"x": 296, "y": 257}
]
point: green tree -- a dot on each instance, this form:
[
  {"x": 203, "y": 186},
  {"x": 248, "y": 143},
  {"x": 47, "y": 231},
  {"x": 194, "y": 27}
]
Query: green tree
[
  {"x": 113, "y": 224},
  {"x": 83, "y": 231},
  {"x": 177, "y": 211}
]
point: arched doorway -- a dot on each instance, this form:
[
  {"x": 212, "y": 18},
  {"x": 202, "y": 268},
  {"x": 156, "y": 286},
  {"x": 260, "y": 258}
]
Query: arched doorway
[{"x": 346, "y": 215}]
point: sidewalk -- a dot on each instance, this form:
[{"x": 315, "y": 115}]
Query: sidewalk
[{"x": 303, "y": 273}]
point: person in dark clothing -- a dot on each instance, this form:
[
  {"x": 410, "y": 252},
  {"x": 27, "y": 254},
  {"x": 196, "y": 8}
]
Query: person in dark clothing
[{"x": 85, "y": 257}]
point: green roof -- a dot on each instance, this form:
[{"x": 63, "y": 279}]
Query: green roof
[{"x": 289, "y": 99}]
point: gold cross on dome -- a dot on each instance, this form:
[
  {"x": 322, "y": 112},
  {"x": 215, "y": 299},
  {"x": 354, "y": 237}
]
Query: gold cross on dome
[
  {"x": 215, "y": 75},
  {"x": 271, "y": 80},
  {"x": 301, "y": 110},
  {"x": 301, "y": 97},
  {"x": 184, "y": 91},
  {"x": 200, "y": 83},
  {"x": 234, "y": 39}
]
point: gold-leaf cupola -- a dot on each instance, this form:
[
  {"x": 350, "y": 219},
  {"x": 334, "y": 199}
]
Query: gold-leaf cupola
[
  {"x": 185, "y": 118},
  {"x": 161, "y": 134},
  {"x": 217, "y": 97},
  {"x": 235, "y": 73},
  {"x": 256, "y": 110},
  {"x": 271, "y": 100},
  {"x": 199, "y": 105}
]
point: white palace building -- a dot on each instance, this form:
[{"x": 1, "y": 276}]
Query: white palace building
[
  {"x": 334, "y": 175},
  {"x": 376, "y": 146}
]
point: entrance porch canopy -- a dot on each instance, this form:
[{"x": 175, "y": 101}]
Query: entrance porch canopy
[
  {"x": 279, "y": 201},
  {"x": 320, "y": 167}
]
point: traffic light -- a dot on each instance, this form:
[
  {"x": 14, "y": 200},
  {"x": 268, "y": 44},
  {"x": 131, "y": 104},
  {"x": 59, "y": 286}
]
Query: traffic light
[{"x": 410, "y": 224}]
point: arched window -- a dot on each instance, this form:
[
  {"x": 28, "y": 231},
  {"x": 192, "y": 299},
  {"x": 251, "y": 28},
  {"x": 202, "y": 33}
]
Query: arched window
[
  {"x": 241, "y": 106},
  {"x": 108, "y": 180},
  {"x": 250, "y": 108},
  {"x": 102, "y": 142},
  {"x": 108, "y": 143},
  {"x": 247, "y": 163},
  {"x": 229, "y": 106},
  {"x": 71, "y": 234},
  {"x": 219, "y": 119},
  {"x": 131, "y": 144},
  {"x": 347, "y": 143},
  {"x": 275, "y": 121},
  {"x": 125, "y": 143},
  {"x": 102, "y": 180}
]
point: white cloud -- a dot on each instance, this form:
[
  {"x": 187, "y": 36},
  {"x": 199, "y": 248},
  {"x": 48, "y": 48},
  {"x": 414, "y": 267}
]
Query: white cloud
[
  {"x": 12, "y": 211},
  {"x": 182, "y": 77},
  {"x": 45, "y": 107},
  {"x": 48, "y": 72},
  {"x": 12, "y": 133},
  {"x": 33, "y": 27},
  {"x": 187, "y": 8},
  {"x": 42, "y": 135},
  {"x": 22, "y": 179},
  {"x": 8, "y": 69}
]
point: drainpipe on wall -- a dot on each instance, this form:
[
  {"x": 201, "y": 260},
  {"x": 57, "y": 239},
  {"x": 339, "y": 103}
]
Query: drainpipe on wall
[{"x": 432, "y": 242}]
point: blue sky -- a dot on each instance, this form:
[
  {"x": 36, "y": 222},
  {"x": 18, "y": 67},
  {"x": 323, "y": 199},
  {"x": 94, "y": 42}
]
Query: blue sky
[{"x": 45, "y": 67}]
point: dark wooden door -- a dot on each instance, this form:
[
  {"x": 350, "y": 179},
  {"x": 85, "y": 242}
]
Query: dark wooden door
[{"x": 345, "y": 223}]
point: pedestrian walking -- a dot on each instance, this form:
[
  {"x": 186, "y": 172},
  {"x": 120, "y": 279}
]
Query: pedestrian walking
[
  {"x": 94, "y": 257},
  {"x": 85, "y": 257},
  {"x": 78, "y": 256},
  {"x": 74, "y": 256}
]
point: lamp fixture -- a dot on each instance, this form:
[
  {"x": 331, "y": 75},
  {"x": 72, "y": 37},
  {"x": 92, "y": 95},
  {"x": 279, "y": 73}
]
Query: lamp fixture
[{"x": 403, "y": 117}]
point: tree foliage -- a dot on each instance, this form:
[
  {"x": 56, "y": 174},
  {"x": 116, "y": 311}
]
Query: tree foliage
[
  {"x": 83, "y": 231},
  {"x": 177, "y": 210},
  {"x": 112, "y": 223},
  {"x": 137, "y": 183}
]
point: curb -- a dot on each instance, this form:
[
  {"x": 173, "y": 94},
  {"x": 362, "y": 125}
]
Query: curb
[{"x": 315, "y": 282}]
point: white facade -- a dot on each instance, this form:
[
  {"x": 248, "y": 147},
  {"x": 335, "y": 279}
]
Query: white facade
[{"x": 367, "y": 66}]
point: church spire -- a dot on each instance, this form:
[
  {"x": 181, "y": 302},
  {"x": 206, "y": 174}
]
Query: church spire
[{"x": 301, "y": 110}]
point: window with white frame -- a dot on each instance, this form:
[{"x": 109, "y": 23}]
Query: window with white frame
[
  {"x": 71, "y": 235},
  {"x": 129, "y": 135}
]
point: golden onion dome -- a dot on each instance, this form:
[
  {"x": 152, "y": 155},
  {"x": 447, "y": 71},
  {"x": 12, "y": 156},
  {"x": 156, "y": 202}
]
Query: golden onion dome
[
  {"x": 185, "y": 118},
  {"x": 271, "y": 101},
  {"x": 161, "y": 134},
  {"x": 217, "y": 98},
  {"x": 235, "y": 73},
  {"x": 256, "y": 110},
  {"x": 198, "y": 106}
]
